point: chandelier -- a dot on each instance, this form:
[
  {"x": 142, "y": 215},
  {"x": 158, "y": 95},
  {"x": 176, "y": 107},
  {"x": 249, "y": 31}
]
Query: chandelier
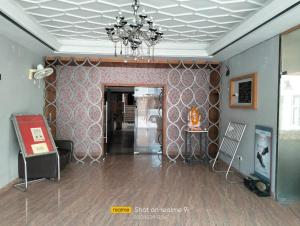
[{"x": 136, "y": 37}]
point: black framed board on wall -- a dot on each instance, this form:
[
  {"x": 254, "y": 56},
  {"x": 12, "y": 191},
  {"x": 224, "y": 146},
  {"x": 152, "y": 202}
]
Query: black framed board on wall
[{"x": 243, "y": 91}]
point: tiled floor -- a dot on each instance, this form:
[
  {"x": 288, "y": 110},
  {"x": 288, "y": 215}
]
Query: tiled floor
[
  {"x": 159, "y": 192},
  {"x": 122, "y": 142}
]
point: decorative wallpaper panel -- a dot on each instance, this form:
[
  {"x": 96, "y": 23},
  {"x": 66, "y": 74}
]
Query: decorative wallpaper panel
[{"x": 79, "y": 102}]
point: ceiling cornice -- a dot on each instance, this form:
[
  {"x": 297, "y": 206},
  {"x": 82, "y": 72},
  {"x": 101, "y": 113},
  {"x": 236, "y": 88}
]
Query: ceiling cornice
[
  {"x": 103, "y": 60},
  {"x": 106, "y": 48}
]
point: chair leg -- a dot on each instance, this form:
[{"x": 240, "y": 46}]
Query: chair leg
[{"x": 58, "y": 167}]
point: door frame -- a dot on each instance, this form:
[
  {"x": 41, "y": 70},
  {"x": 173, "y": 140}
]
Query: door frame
[{"x": 164, "y": 105}]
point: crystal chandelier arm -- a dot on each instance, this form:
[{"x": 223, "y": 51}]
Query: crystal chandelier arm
[
  {"x": 113, "y": 38},
  {"x": 133, "y": 34},
  {"x": 135, "y": 7},
  {"x": 151, "y": 38},
  {"x": 146, "y": 38}
]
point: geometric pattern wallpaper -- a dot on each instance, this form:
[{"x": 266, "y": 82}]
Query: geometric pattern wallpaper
[
  {"x": 79, "y": 112},
  {"x": 189, "y": 85},
  {"x": 77, "y": 106},
  {"x": 181, "y": 20}
]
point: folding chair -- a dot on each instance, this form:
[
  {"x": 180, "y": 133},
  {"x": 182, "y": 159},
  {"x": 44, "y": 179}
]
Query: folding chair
[{"x": 230, "y": 144}]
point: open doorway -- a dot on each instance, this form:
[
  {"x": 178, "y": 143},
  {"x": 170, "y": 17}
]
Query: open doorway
[{"x": 133, "y": 120}]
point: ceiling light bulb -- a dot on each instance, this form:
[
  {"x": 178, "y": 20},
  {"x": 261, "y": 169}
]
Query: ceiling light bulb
[{"x": 40, "y": 67}]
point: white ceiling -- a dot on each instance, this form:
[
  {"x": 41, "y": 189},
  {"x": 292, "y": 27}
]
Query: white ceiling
[
  {"x": 193, "y": 28},
  {"x": 198, "y": 21}
]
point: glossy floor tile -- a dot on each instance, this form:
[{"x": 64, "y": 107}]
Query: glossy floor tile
[
  {"x": 160, "y": 193},
  {"x": 122, "y": 142}
]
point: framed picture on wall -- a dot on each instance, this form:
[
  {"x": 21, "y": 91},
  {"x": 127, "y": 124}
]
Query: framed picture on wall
[
  {"x": 243, "y": 92},
  {"x": 263, "y": 152}
]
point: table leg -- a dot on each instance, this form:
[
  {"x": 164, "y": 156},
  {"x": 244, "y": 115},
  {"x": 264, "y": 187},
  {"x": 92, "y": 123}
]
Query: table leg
[
  {"x": 200, "y": 142},
  {"x": 186, "y": 146},
  {"x": 206, "y": 148},
  {"x": 190, "y": 148}
]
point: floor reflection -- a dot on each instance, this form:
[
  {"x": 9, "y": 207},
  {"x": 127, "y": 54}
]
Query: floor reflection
[{"x": 156, "y": 160}]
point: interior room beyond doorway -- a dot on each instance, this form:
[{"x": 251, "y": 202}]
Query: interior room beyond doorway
[{"x": 133, "y": 120}]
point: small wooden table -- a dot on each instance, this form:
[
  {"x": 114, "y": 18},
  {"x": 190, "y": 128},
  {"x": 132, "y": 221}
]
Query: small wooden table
[{"x": 189, "y": 156}]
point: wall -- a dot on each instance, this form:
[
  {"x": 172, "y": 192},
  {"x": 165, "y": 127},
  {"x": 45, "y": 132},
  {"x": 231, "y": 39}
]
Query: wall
[
  {"x": 79, "y": 102},
  {"x": 262, "y": 59},
  {"x": 17, "y": 95},
  {"x": 290, "y": 52}
]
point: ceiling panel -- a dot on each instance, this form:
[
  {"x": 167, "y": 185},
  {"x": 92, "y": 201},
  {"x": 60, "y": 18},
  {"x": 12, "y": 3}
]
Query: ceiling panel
[
  {"x": 59, "y": 5},
  {"x": 68, "y": 19},
  {"x": 188, "y": 20},
  {"x": 199, "y": 5}
]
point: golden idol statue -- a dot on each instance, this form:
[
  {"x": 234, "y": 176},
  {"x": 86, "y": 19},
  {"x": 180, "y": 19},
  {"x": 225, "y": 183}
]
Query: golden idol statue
[{"x": 194, "y": 118}]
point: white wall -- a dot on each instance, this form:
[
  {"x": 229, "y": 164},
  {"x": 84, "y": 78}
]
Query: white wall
[
  {"x": 17, "y": 95},
  {"x": 262, "y": 59}
]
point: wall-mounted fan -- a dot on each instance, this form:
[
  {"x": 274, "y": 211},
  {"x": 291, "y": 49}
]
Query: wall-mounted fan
[{"x": 39, "y": 73}]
